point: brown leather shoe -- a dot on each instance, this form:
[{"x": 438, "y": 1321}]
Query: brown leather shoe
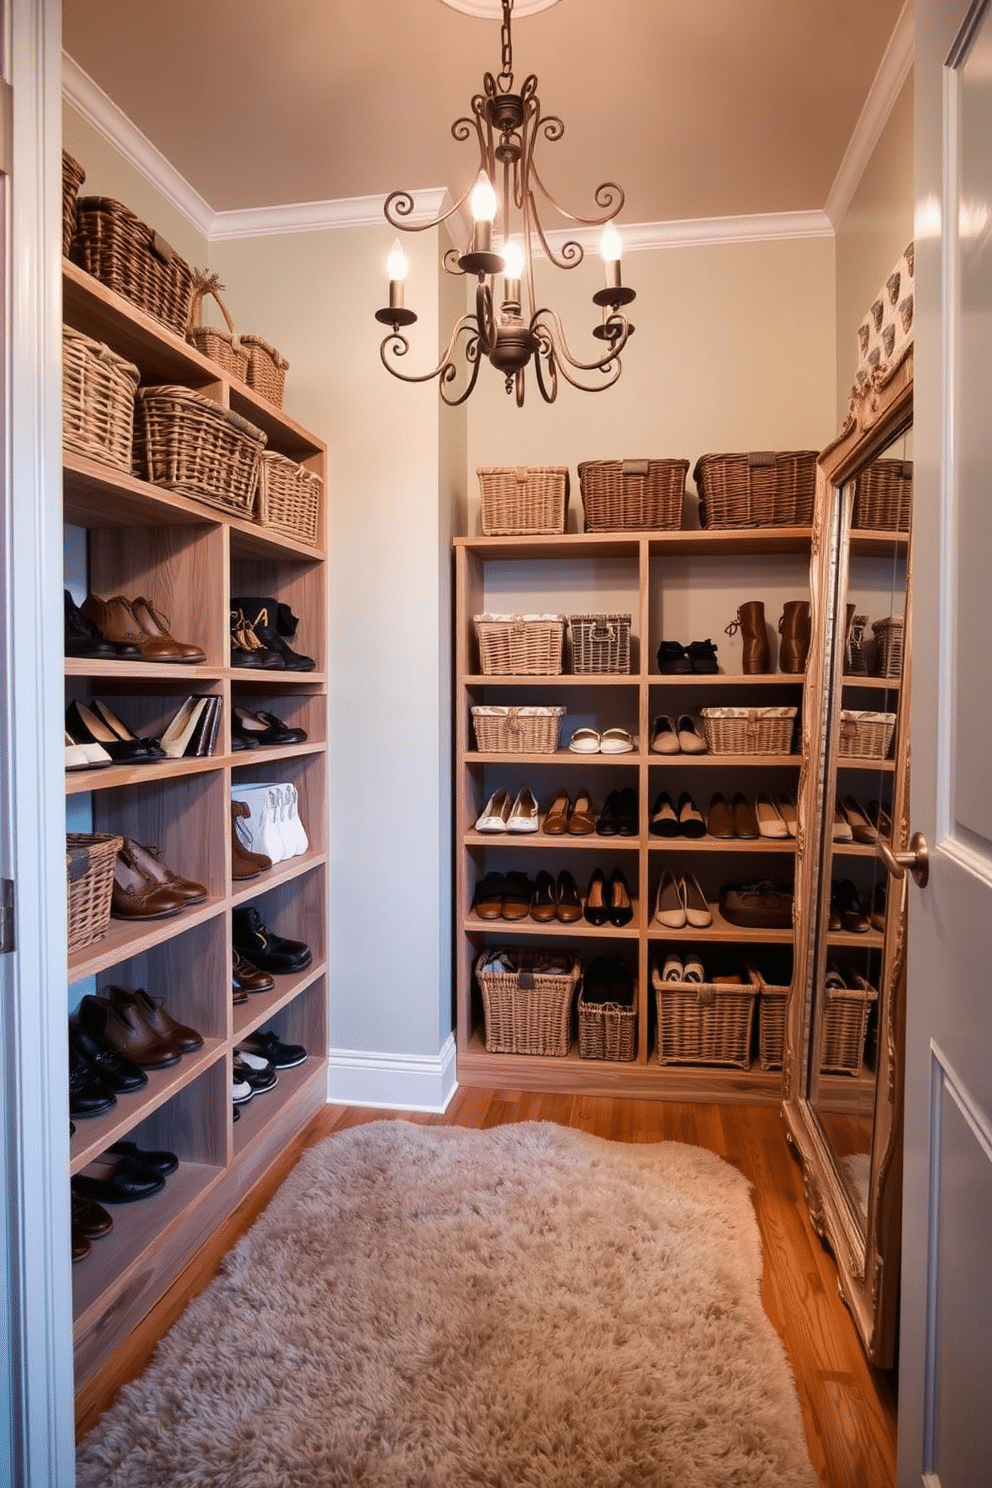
[
  {"x": 120, "y": 1028},
  {"x": 745, "y": 821},
  {"x": 244, "y": 863},
  {"x": 88, "y": 1217},
  {"x": 248, "y": 978},
  {"x": 118, "y": 622},
  {"x": 137, "y": 897},
  {"x": 148, "y": 860},
  {"x": 151, "y": 1010},
  {"x": 719, "y": 817},
  {"x": 156, "y": 626}
]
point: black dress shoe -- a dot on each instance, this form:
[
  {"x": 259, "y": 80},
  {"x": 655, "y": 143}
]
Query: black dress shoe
[
  {"x": 608, "y": 824},
  {"x": 597, "y": 907},
  {"x": 257, "y": 1079},
  {"x": 88, "y": 1095},
  {"x": 125, "y": 1182},
  {"x": 110, "y": 1066},
  {"x": 262, "y": 728},
  {"x": 269, "y": 1045},
  {"x": 162, "y": 1162},
  {"x": 621, "y": 908},
  {"x": 627, "y": 813},
  {"x": 266, "y": 951},
  {"x": 85, "y": 727},
  {"x": 85, "y": 638}
]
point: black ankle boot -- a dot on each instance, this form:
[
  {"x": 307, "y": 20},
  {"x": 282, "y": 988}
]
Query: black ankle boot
[{"x": 262, "y": 617}]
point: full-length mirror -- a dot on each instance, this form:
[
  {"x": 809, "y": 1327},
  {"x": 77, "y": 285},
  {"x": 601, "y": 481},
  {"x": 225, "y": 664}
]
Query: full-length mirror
[{"x": 843, "y": 1077}]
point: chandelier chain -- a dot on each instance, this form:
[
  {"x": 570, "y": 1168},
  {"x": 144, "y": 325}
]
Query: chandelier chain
[{"x": 506, "y": 71}]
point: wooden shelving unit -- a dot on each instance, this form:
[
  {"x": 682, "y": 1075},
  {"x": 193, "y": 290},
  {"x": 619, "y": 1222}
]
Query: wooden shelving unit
[
  {"x": 189, "y": 559},
  {"x": 639, "y": 573}
]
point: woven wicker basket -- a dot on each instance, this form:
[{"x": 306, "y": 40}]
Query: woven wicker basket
[
  {"x": 600, "y": 643},
  {"x": 525, "y": 499},
  {"x": 632, "y": 495},
  {"x": 607, "y": 1030},
  {"x": 266, "y": 369},
  {"x": 530, "y": 730},
  {"x": 749, "y": 730},
  {"x": 90, "y": 859},
  {"x": 222, "y": 347},
  {"x": 190, "y": 444},
  {"x": 865, "y": 735},
  {"x": 528, "y": 1006},
  {"x": 289, "y": 497},
  {"x": 704, "y": 1022},
  {"x": 129, "y": 257},
  {"x": 844, "y": 1024},
  {"x": 883, "y": 496},
  {"x": 760, "y": 489},
  {"x": 520, "y": 645},
  {"x": 772, "y": 1003},
  {"x": 888, "y": 635},
  {"x": 73, "y": 177},
  {"x": 98, "y": 389}
]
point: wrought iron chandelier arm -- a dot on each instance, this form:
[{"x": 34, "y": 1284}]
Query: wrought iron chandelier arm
[
  {"x": 396, "y": 344},
  {"x": 399, "y": 204},
  {"x": 608, "y": 196},
  {"x": 550, "y": 333}
]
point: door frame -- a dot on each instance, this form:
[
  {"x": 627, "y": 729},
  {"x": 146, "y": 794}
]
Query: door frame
[{"x": 36, "y": 1341}]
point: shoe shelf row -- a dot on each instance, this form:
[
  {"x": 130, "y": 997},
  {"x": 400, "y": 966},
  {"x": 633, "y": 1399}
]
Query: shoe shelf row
[{"x": 189, "y": 559}]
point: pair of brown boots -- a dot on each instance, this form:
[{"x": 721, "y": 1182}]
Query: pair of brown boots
[{"x": 793, "y": 627}]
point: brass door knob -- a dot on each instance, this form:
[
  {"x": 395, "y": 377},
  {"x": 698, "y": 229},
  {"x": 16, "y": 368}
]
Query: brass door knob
[{"x": 916, "y": 860}]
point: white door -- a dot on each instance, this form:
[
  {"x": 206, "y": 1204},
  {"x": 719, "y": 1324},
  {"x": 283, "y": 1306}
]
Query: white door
[{"x": 945, "y": 1404}]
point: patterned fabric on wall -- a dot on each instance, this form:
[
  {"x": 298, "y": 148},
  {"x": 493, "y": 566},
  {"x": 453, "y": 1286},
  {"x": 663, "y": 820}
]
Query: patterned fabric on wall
[{"x": 888, "y": 326}]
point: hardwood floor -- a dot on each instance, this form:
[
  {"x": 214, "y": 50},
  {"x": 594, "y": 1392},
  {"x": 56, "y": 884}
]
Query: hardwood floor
[{"x": 849, "y": 1407}]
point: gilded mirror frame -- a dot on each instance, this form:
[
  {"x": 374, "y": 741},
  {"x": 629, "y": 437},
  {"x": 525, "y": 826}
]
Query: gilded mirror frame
[{"x": 865, "y": 1247}]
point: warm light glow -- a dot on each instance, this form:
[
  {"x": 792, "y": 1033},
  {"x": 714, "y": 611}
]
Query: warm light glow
[
  {"x": 610, "y": 245},
  {"x": 513, "y": 259},
  {"x": 397, "y": 264},
  {"x": 483, "y": 199}
]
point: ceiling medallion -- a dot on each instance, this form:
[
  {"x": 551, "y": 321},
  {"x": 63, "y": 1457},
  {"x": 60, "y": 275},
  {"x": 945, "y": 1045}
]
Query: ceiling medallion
[{"x": 504, "y": 203}]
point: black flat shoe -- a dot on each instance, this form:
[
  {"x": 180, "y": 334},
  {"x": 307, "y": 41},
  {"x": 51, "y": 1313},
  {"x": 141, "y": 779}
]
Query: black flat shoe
[
  {"x": 126, "y": 1182},
  {"x": 263, "y": 729},
  {"x": 621, "y": 909},
  {"x": 691, "y": 823},
  {"x": 627, "y": 814},
  {"x": 608, "y": 824},
  {"x": 597, "y": 910},
  {"x": 664, "y": 817}
]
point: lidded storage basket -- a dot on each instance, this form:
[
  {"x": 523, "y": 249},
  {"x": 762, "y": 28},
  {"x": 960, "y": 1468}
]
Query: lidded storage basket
[
  {"x": 864, "y": 734},
  {"x": 98, "y": 389},
  {"x": 632, "y": 495},
  {"x": 883, "y": 496},
  {"x": 267, "y": 369},
  {"x": 73, "y": 177},
  {"x": 705, "y": 1022},
  {"x": 523, "y": 499},
  {"x": 190, "y": 444},
  {"x": 749, "y": 730},
  {"x": 289, "y": 497},
  {"x": 90, "y": 860},
  {"x": 222, "y": 347},
  {"x": 520, "y": 645},
  {"x": 760, "y": 489},
  {"x": 528, "y": 730},
  {"x": 600, "y": 643},
  {"x": 527, "y": 1000},
  {"x": 129, "y": 257}
]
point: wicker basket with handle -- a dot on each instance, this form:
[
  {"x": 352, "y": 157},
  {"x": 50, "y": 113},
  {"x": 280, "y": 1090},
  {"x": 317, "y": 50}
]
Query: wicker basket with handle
[
  {"x": 632, "y": 495},
  {"x": 759, "y": 489},
  {"x": 749, "y": 730},
  {"x": 520, "y": 645},
  {"x": 221, "y": 346},
  {"x": 888, "y": 635},
  {"x": 289, "y": 497},
  {"x": 607, "y": 1030},
  {"x": 98, "y": 389},
  {"x": 190, "y": 444},
  {"x": 845, "y": 1022},
  {"x": 705, "y": 1022},
  {"x": 527, "y": 730},
  {"x": 90, "y": 860},
  {"x": 600, "y": 643},
  {"x": 527, "y": 1000},
  {"x": 864, "y": 734},
  {"x": 522, "y": 499},
  {"x": 129, "y": 257}
]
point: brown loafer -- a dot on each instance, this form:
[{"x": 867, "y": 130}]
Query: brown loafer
[
  {"x": 488, "y": 899},
  {"x": 156, "y": 627},
  {"x": 135, "y": 896},
  {"x": 118, "y": 622},
  {"x": 88, "y": 1217},
  {"x": 248, "y": 978},
  {"x": 542, "y": 903},
  {"x": 152, "y": 1012},
  {"x": 582, "y": 817},
  {"x": 518, "y": 891},
  {"x": 568, "y": 905},
  {"x": 556, "y": 817},
  {"x": 745, "y": 821},
  {"x": 122, "y": 1029}
]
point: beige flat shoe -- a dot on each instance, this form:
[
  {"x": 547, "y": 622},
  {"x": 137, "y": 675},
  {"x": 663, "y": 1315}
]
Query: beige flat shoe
[
  {"x": 496, "y": 814},
  {"x": 771, "y": 822},
  {"x": 523, "y": 813},
  {"x": 787, "y": 809},
  {"x": 664, "y": 736},
  {"x": 584, "y": 741},
  {"x": 616, "y": 741},
  {"x": 691, "y": 740}
]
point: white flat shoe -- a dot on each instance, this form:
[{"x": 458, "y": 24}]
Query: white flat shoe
[
  {"x": 693, "y": 969},
  {"x": 585, "y": 741},
  {"x": 673, "y": 970},
  {"x": 496, "y": 813},
  {"x": 523, "y": 813},
  {"x": 616, "y": 741},
  {"x": 664, "y": 736},
  {"x": 771, "y": 822},
  {"x": 690, "y": 739},
  {"x": 669, "y": 906}
]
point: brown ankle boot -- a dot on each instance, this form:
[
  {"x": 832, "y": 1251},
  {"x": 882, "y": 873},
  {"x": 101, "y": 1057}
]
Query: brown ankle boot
[
  {"x": 793, "y": 627},
  {"x": 244, "y": 862},
  {"x": 751, "y": 623}
]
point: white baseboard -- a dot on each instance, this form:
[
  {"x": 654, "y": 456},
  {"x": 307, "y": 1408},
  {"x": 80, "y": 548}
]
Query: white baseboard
[{"x": 397, "y": 1082}]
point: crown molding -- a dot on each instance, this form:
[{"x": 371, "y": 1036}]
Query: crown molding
[
  {"x": 296, "y": 217},
  {"x": 893, "y": 70}
]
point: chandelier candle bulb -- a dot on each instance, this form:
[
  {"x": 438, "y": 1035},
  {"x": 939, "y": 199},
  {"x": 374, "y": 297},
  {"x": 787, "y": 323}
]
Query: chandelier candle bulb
[
  {"x": 483, "y": 203},
  {"x": 611, "y": 248},
  {"x": 513, "y": 268},
  {"x": 397, "y": 267}
]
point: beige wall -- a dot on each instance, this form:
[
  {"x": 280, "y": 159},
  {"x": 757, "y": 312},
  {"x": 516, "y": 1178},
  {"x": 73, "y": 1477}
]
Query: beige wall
[
  {"x": 872, "y": 235},
  {"x": 733, "y": 349}
]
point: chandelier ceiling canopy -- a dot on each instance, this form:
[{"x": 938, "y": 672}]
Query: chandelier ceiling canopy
[{"x": 507, "y": 326}]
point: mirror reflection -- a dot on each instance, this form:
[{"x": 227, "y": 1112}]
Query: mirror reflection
[{"x": 867, "y": 713}]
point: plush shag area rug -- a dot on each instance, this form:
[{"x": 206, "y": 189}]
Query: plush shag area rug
[{"x": 430, "y": 1307}]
